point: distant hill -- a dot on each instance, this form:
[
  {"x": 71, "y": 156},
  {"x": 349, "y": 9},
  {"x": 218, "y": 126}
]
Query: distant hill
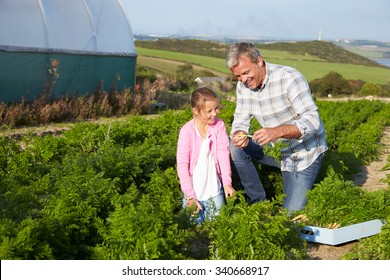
[
  {"x": 200, "y": 47},
  {"x": 326, "y": 51},
  {"x": 370, "y": 49}
]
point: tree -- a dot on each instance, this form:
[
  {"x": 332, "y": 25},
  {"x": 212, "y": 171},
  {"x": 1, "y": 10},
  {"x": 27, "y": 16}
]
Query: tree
[
  {"x": 371, "y": 89},
  {"x": 331, "y": 84},
  {"x": 185, "y": 76}
]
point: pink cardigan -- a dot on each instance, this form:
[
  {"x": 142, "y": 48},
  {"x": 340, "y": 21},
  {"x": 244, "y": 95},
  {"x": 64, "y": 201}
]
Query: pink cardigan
[{"x": 188, "y": 148}]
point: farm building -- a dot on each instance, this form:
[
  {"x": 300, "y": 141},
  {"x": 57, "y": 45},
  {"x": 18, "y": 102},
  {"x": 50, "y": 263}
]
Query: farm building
[{"x": 62, "y": 47}]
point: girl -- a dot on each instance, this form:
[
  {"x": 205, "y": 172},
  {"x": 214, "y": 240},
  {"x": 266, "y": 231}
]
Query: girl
[{"x": 203, "y": 160}]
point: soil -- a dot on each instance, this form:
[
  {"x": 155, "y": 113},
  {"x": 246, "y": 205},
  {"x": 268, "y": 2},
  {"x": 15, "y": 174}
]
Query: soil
[{"x": 371, "y": 177}]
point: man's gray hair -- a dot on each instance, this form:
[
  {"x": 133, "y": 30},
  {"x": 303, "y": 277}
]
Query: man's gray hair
[{"x": 235, "y": 51}]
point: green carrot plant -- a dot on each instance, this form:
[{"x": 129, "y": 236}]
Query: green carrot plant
[{"x": 110, "y": 191}]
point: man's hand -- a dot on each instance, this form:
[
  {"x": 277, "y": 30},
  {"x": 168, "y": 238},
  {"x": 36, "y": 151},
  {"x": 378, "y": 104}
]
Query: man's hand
[{"x": 263, "y": 136}]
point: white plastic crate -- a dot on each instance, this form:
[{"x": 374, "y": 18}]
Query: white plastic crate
[{"x": 343, "y": 234}]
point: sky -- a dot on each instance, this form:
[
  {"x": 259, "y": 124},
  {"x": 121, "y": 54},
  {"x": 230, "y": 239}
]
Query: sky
[{"x": 272, "y": 19}]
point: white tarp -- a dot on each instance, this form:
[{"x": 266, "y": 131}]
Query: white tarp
[{"x": 100, "y": 26}]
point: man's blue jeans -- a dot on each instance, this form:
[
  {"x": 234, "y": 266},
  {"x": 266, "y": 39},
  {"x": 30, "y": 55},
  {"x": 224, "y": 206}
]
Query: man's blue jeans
[{"x": 296, "y": 184}]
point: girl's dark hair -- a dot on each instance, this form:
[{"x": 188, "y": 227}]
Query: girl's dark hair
[{"x": 200, "y": 96}]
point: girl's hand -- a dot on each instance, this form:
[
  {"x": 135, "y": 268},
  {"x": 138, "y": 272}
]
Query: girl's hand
[
  {"x": 194, "y": 203},
  {"x": 229, "y": 191}
]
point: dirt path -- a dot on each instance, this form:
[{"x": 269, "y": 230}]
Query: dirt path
[{"x": 370, "y": 177}]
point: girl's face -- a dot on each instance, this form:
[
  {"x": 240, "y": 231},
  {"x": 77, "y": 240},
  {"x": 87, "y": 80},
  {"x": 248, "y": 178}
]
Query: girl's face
[{"x": 209, "y": 111}]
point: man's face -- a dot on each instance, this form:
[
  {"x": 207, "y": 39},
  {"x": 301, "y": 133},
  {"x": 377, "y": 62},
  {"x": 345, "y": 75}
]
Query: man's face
[{"x": 249, "y": 72}]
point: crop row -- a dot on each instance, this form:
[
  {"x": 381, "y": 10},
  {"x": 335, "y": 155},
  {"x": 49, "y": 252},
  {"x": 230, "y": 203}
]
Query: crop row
[{"x": 110, "y": 191}]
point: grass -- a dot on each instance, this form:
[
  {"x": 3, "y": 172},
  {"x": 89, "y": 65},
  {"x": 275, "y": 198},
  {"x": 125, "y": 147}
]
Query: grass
[
  {"x": 372, "y": 52},
  {"x": 313, "y": 70},
  {"x": 212, "y": 63},
  {"x": 367, "y": 53},
  {"x": 161, "y": 65},
  {"x": 169, "y": 66},
  {"x": 311, "y": 67}
]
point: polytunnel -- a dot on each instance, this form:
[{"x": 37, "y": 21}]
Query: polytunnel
[{"x": 64, "y": 47}]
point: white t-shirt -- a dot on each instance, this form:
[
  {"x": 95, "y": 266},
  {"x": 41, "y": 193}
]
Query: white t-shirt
[{"x": 204, "y": 178}]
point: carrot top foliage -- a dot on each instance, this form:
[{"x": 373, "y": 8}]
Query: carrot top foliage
[{"x": 110, "y": 191}]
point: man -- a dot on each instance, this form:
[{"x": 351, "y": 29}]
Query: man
[{"x": 279, "y": 98}]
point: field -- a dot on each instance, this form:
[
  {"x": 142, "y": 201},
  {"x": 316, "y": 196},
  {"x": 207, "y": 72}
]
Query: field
[
  {"x": 110, "y": 191},
  {"x": 169, "y": 66},
  {"x": 212, "y": 63},
  {"x": 311, "y": 67},
  {"x": 368, "y": 49}
]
